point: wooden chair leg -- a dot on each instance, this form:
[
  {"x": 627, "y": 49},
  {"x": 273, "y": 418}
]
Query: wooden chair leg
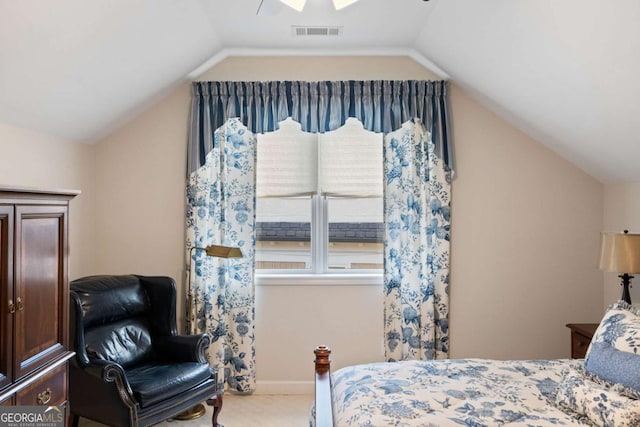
[{"x": 216, "y": 402}]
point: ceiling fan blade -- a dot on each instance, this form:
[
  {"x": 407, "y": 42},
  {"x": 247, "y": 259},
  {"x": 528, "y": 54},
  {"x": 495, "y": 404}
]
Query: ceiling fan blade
[{"x": 269, "y": 7}]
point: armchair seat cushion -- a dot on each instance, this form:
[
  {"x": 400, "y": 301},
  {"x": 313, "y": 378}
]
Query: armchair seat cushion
[{"x": 154, "y": 382}]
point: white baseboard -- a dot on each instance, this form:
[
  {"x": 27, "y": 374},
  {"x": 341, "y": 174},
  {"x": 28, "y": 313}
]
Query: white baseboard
[{"x": 284, "y": 387}]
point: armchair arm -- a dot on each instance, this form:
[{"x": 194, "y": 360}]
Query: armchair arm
[
  {"x": 103, "y": 372},
  {"x": 182, "y": 348}
]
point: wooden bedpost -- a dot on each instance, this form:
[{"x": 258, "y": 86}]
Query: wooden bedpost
[
  {"x": 324, "y": 407},
  {"x": 323, "y": 363}
]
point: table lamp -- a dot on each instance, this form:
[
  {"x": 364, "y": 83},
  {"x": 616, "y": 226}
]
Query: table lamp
[{"x": 620, "y": 253}]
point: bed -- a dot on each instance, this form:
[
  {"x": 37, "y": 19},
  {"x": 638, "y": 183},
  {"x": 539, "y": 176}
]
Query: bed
[{"x": 600, "y": 390}]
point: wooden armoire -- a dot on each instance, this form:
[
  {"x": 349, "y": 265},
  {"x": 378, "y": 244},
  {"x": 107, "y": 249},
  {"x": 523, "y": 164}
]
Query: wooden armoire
[{"x": 34, "y": 296}]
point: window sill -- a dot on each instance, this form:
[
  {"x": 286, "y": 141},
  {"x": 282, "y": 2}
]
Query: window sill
[{"x": 304, "y": 279}]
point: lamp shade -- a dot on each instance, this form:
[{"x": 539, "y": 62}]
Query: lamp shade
[
  {"x": 620, "y": 253},
  {"x": 223, "y": 251}
]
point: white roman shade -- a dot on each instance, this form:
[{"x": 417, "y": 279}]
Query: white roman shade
[
  {"x": 287, "y": 162},
  {"x": 346, "y": 162},
  {"x": 350, "y": 162}
]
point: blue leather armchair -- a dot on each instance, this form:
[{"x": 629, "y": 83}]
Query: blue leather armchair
[{"x": 131, "y": 368}]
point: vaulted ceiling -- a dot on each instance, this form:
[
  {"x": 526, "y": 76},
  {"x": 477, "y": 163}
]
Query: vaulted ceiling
[{"x": 564, "y": 71}]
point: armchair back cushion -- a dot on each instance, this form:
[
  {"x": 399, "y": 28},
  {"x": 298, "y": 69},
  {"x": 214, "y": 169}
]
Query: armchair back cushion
[
  {"x": 116, "y": 325},
  {"x": 126, "y": 342},
  {"x": 106, "y": 299}
]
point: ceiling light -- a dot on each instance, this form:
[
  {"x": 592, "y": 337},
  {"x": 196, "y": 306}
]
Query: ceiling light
[
  {"x": 341, "y": 4},
  {"x": 296, "y": 4}
]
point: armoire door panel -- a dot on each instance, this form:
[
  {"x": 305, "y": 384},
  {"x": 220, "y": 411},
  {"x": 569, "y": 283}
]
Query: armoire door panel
[
  {"x": 6, "y": 293},
  {"x": 39, "y": 283}
]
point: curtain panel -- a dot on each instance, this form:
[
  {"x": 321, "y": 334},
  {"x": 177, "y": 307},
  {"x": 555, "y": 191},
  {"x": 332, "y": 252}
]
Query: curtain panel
[
  {"x": 417, "y": 197},
  {"x": 221, "y": 211},
  {"x": 381, "y": 105}
]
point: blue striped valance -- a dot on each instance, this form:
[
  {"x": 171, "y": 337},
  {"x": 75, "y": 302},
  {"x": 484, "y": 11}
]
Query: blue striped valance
[{"x": 381, "y": 105}]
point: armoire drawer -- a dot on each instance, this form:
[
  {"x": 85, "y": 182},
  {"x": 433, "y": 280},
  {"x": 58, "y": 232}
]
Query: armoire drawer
[{"x": 49, "y": 390}]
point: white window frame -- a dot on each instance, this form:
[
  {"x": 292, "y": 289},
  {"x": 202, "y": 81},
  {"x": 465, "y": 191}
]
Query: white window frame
[
  {"x": 319, "y": 273},
  {"x": 319, "y": 234}
]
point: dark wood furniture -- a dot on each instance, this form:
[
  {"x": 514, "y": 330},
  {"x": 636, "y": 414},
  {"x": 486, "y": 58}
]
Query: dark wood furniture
[
  {"x": 581, "y": 334},
  {"x": 324, "y": 406},
  {"x": 34, "y": 296}
]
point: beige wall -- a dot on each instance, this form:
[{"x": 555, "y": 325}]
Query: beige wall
[
  {"x": 32, "y": 159},
  {"x": 525, "y": 231},
  {"x": 140, "y": 177},
  {"x": 621, "y": 212},
  {"x": 525, "y": 236}
]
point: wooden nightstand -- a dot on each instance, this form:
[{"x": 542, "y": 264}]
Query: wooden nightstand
[{"x": 581, "y": 334}]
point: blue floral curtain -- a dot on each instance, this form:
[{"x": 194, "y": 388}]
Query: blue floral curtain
[
  {"x": 221, "y": 210},
  {"x": 221, "y": 204},
  {"x": 417, "y": 195}
]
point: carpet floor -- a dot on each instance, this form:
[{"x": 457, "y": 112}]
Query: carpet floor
[{"x": 249, "y": 411}]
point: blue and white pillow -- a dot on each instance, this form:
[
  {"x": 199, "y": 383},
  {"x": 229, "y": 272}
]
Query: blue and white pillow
[
  {"x": 614, "y": 366},
  {"x": 614, "y": 353},
  {"x": 598, "y": 403},
  {"x": 620, "y": 328}
]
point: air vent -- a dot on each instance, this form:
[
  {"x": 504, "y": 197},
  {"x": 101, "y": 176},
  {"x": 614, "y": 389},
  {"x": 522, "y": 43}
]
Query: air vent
[{"x": 316, "y": 31}]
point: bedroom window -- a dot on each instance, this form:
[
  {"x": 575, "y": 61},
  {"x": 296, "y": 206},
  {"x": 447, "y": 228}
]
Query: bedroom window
[{"x": 319, "y": 205}]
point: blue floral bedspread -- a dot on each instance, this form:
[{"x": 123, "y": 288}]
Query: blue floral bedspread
[{"x": 469, "y": 392}]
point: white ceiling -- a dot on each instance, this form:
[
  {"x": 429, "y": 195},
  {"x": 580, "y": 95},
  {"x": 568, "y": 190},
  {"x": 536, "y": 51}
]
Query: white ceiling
[{"x": 567, "y": 72}]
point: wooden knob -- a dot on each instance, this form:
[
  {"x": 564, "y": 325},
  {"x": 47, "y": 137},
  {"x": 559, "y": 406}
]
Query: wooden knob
[{"x": 323, "y": 362}]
